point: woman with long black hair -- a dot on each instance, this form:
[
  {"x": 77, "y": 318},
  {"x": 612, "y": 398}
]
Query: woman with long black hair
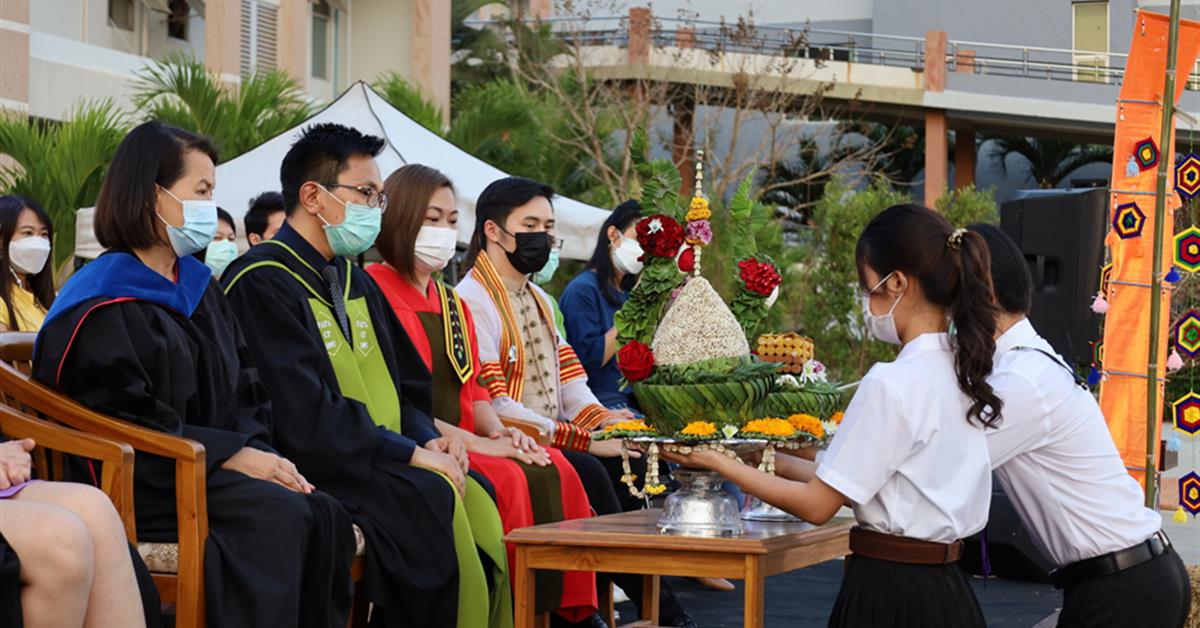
[
  {"x": 910, "y": 456},
  {"x": 26, "y": 276},
  {"x": 593, "y": 297}
]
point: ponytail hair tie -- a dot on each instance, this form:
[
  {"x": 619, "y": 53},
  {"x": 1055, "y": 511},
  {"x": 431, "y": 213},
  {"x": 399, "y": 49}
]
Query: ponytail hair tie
[{"x": 955, "y": 239}]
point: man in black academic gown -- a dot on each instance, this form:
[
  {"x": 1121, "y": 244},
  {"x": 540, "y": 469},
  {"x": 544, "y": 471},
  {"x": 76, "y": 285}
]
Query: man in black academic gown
[{"x": 339, "y": 367}]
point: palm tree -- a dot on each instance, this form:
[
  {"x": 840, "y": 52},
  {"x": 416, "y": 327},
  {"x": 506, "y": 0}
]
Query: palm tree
[
  {"x": 182, "y": 92},
  {"x": 61, "y": 164},
  {"x": 1048, "y": 161}
]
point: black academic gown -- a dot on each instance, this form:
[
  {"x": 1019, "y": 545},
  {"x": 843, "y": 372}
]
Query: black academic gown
[
  {"x": 404, "y": 511},
  {"x": 273, "y": 557}
]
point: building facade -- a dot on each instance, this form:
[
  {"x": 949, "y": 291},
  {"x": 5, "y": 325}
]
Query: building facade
[{"x": 55, "y": 54}]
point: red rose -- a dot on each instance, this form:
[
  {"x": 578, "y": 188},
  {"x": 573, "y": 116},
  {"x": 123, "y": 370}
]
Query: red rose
[
  {"x": 659, "y": 236},
  {"x": 687, "y": 260},
  {"x": 759, "y": 277},
  {"x": 635, "y": 361}
]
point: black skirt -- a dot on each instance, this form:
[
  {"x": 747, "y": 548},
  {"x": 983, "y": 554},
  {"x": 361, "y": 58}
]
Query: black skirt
[
  {"x": 10, "y": 586},
  {"x": 884, "y": 594}
]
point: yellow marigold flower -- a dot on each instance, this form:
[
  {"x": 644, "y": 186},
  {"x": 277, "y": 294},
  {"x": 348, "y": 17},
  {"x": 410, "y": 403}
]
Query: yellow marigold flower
[
  {"x": 633, "y": 425},
  {"x": 837, "y": 417},
  {"x": 769, "y": 427},
  {"x": 656, "y": 489},
  {"x": 699, "y": 428},
  {"x": 698, "y": 209},
  {"x": 807, "y": 423}
]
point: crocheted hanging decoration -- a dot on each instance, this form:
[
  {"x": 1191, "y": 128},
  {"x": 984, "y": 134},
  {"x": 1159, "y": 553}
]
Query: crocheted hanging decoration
[
  {"x": 1187, "y": 335},
  {"x": 1093, "y": 377},
  {"x": 1187, "y": 177},
  {"x": 1128, "y": 221},
  {"x": 1180, "y": 516},
  {"x": 1174, "y": 361},
  {"x": 1106, "y": 272},
  {"x": 1187, "y": 249},
  {"x": 1173, "y": 442},
  {"x": 1189, "y": 492},
  {"x": 1186, "y": 413},
  {"x": 1099, "y": 304},
  {"x": 1172, "y": 276},
  {"x": 1098, "y": 353},
  {"x": 1131, "y": 167},
  {"x": 1146, "y": 152}
]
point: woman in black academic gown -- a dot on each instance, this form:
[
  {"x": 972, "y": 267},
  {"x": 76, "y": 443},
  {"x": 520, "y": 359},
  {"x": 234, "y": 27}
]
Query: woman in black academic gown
[{"x": 143, "y": 334}]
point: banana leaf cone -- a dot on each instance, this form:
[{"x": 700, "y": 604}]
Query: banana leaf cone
[{"x": 819, "y": 401}]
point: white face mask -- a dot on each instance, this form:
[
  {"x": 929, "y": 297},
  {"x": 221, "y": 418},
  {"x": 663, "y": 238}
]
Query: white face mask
[
  {"x": 625, "y": 256},
  {"x": 882, "y": 327},
  {"x": 435, "y": 246},
  {"x": 28, "y": 255}
]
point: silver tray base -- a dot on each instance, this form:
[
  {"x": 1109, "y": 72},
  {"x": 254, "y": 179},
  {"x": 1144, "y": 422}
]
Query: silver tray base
[
  {"x": 700, "y": 507},
  {"x": 758, "y": 510}
]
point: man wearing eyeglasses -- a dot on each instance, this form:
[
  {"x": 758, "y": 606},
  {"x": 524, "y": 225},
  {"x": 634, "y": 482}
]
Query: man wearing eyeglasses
[{"x": 352, "y": 399}]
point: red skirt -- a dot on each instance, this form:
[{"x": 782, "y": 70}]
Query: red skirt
[{"x": 528, "y": 495}]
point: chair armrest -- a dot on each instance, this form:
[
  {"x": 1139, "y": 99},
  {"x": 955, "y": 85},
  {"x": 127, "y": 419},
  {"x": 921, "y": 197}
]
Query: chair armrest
[
  {"x": 191, "y": 472},
  {"x": 116, "y": 476},
  {"x": 536, "y": 432}
]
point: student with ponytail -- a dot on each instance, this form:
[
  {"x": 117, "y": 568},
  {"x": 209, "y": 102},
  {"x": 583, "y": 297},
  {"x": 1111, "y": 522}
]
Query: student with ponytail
[{"x": 911, "y": 456}]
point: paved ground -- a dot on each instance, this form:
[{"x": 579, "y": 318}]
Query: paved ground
[{"x": 805, "y": 597}]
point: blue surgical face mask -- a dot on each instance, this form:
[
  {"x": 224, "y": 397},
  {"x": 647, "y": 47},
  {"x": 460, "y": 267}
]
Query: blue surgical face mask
[
  {"x": 199, "y": 225},
  {"x": 357, "y": 231},
  {"x": 219, "y": 255},
  {"x": 547, "y": 272}
]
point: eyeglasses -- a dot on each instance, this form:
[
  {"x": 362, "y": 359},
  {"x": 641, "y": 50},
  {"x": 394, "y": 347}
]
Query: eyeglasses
[{"x": 375, "y": 198}]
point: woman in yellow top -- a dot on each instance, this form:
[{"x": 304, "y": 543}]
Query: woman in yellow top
[{"x": 26, "y": 278}]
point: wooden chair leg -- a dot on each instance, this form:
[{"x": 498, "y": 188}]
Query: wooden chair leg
[
  {"x": 359, "y": 608},
  {"x": 608, "y": 611}
]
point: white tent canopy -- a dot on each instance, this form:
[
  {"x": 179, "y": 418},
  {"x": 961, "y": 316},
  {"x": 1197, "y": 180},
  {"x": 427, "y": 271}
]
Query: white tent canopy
[{"x": 257, "y": 171}]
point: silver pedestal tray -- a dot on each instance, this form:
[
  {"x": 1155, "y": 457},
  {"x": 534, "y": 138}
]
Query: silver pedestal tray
[
  {"x": 758, "y": 510},
  {"x": 700, "y": 507}
]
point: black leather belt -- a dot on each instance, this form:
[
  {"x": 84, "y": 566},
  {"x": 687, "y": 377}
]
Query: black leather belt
[{"x": 1111, "y": 563}]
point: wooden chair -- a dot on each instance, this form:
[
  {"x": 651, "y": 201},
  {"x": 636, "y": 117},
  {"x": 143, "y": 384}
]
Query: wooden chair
[
  {"x": 535, "y": 432},
  {"x": 178, "y": 569},
  {"x": 53, "y": 442}
]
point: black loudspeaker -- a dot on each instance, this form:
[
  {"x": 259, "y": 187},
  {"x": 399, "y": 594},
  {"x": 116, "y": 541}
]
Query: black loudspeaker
[{"x": 1061, "y": 233}]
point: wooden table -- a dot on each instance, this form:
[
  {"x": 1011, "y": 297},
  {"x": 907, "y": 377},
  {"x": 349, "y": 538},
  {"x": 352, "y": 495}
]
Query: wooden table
[{"x": 630, "y": 543}]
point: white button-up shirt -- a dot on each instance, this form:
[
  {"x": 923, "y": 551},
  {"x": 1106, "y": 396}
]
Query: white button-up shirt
[
  {"x": 1055, "y": 458},
  {"x": 906, "y": 456}
]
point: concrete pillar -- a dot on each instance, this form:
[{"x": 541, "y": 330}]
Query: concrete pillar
[
  {"x": 539, "y": 9},
  {"x": 293, "y": 42},
  {"x": 639, "y": 35},
  {"x": 683, "y": 116},
  {"x": 935, "y": 155},
  {"x": 964, "y": 157},
  {"x": 223, "y": 38},
  {"x": 431, "y": 52},
  {"x": 935, "y": 61},
  {"x": 14, "y": 55},
  {"x": 964, "y": 61}
]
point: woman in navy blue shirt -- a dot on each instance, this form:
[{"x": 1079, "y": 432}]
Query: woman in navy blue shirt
[{"x": 591, "y": 299}]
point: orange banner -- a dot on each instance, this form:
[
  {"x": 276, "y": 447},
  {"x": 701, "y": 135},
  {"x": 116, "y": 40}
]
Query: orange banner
[{"x": 1136, "y": 155}]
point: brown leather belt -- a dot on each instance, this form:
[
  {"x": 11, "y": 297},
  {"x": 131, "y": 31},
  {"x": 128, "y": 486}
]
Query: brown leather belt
[{"x": 901, "y": 549}]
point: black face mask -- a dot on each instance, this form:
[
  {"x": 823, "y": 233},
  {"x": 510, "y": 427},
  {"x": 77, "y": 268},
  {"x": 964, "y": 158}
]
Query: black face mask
[{"x": 532, "y": 252}]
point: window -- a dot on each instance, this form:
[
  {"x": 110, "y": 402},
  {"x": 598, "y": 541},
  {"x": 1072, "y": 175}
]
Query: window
[
  {"x": 259, "y": 28},
  {"x": 1089, "y": 40},
  {"x": 320, "y": 39},
  {"x": 120, "y": 13},
  {"x": 177, "y": 21}
]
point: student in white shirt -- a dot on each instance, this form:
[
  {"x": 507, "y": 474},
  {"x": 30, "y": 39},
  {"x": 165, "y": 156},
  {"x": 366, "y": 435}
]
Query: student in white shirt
[
  {"x": 1056, "y": 460},
  {"x": 910, "y": 456}
]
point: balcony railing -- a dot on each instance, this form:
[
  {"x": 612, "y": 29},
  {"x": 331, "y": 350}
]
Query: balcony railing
[{"x": 1034, "y": 62}]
